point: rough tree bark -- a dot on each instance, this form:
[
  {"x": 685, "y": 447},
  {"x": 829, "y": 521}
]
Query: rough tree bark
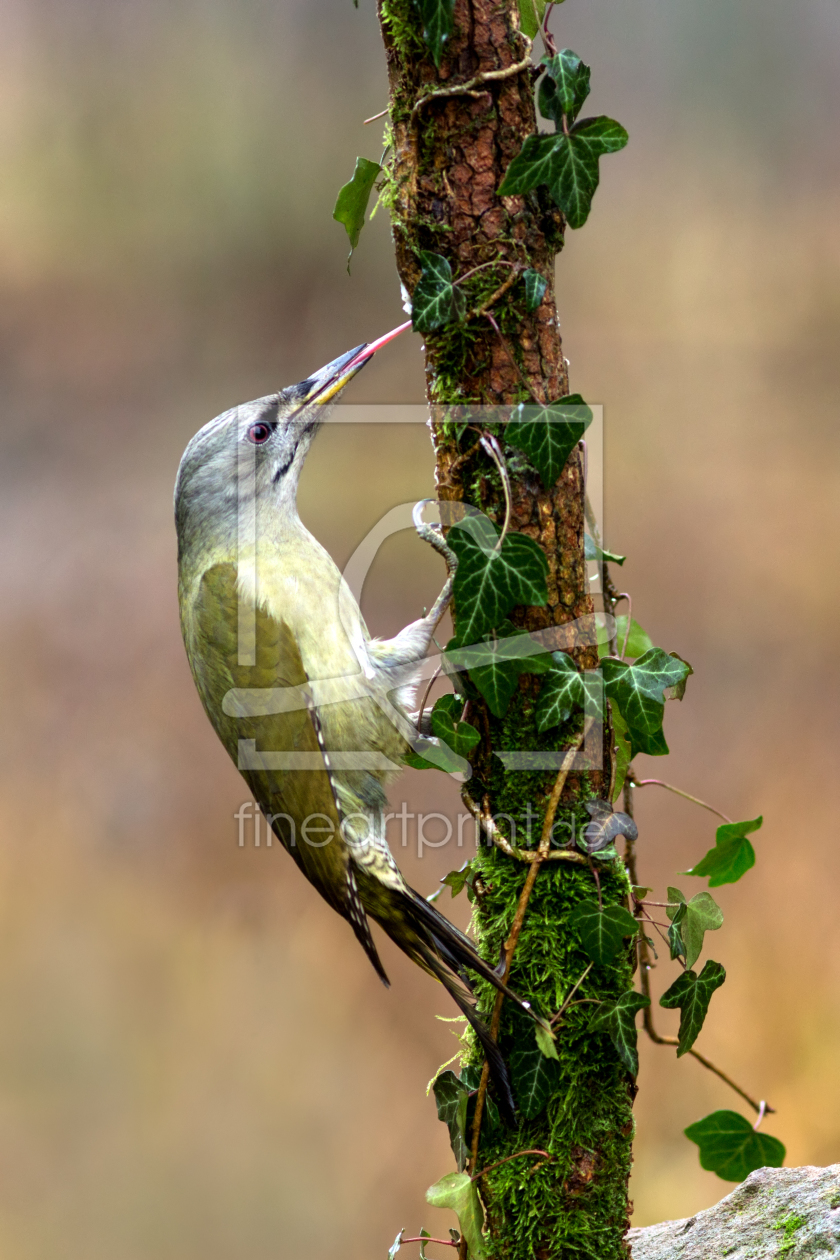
[{"x": 450, "y": 154}]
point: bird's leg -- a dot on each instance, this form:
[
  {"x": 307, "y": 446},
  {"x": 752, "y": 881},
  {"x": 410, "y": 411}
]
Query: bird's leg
[{"x": 433, "y": 535}]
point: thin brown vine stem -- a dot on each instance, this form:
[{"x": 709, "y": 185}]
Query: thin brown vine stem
[
  {"x": 645, "y": 967},
  {"x": 519, "y": 919},
  {"x": 494, "y": 297},
  {"x": 679, "y": 792},
  {"x": 491, "y": 446},
  {"x": 442, "y": 1242},
  {"x": 374, "y": 117},
  {"x": 568, "y": 1001},
  {"x": 493, "y": 262},
  {"x": 489, "y": 76},
  {"x": 506, "y": 1160}
]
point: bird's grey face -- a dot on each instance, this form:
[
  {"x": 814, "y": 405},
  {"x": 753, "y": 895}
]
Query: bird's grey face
[{"x": 253, "y": 455}]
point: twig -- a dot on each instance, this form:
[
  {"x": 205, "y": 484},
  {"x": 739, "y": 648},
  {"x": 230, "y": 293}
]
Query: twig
[
  {"x": 572, "y": 993},
  {"x": 518, "y": 920},
  {"x": 491, "y": 446},
  {"x": 443, "y": 1242},
  {"x": 506, "y": 1160},
  {"x": 466, "y": 89},
  {"x": 492, "y": 832},
  {"x": 373, "y": 118},
  {"x": 493, "y": 262},
  {"x": 644, "y": 974},
  {"x": 494, "y": 297},
  {"x": 679, "y": 792}
]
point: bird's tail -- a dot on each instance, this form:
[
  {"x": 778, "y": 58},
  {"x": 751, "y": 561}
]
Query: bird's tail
[{"x": 435, "y": 944}]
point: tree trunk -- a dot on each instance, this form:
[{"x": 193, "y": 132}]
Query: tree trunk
[{"x": 449, "y": 157}]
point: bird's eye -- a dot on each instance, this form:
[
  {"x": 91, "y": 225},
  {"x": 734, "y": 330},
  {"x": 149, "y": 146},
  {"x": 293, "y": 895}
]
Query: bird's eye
[{"x": 259, "y": 433}]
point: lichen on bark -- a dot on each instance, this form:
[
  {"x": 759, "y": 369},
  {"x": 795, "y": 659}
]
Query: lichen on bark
[{"x": 448, "y": 157}]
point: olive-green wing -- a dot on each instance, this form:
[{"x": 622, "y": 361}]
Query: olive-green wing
[{"x": 279, "y": 754}]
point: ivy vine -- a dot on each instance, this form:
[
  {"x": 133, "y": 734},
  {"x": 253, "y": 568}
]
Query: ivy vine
[{"x": 499, "y": 570}]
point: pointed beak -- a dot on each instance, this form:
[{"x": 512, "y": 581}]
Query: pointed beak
[{"x": 328, "y": 381}]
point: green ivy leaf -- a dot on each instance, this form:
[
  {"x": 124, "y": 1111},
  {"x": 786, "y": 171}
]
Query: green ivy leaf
[
  {"x": 531, "y": 14},
  {"x": 619, "y": 1020},
  {"x": 436, "y": 756},
  {"x": 460, "y": 736},
  {"x": 732, "y": 856},
  {"x": 546, "y": 1042},
  {"x": 437, "y": 19},
  {"x": 602, "y": 932},
  {"x": 621, "y": 739},
  {"x": 591, "y": 551},
  {"x": 568, "y": 164},
  {"x": 549, "y": 433},
  {"x": 639, "y": 691},
  {"x": 535, "y": 284},
  {"x": 352, "y": 201},
  {"x": 457, "y": 880},
  {"x": 489, "y": 582},
  {"x": 730, "y": 1147},
  {"x": 638, "y": 641},
  {"x": 564, "y": 87},
  {"x": 534, "y": 1076},
  {"x": 496, "y": 664},
  {"x": 564, "y": 690},
  {"x": 457, "y": 1192},
  {"x": 692, "y": 994},
  {"x": 436, "y": 300},
  {"x": 693, "y": 919},
  {"x": 452, "y": 1097},
  {"x": 395, "y": 1246}
]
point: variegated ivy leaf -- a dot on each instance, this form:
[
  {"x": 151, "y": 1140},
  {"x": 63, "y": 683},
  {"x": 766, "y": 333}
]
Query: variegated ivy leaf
[
  {"x": 619, "y": 1020},
  {"x": 535, "y": 284},
  {"x": 732, "y": 856},
  {"x": 437, "y": 19},
  {"x": 490, "y": 580},
  {"x": 567, "y": 163},
  {"x": 564, "y": 87},
  {"x": 452, "y": 1097},
  {"x": 639, "y": 691},
  {"x": 496, "y": 664},
  {"x": 602, "y": 932},
  {"x": 564, "y": 690},
  {"x": 534, "y": 1076},
  {"x": 692, "y": 994},
  {"x": 606, "y": 826},
  {"x": 548, "y": 433},
  {"x": 436, "y": 300}
]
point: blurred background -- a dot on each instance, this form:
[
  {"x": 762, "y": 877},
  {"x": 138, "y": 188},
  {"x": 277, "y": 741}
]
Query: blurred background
[{"x": 196, "y": 1060}]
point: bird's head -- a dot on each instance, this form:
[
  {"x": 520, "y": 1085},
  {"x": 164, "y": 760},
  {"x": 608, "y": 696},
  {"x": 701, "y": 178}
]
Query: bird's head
[{"x": 250, "y": 457}]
